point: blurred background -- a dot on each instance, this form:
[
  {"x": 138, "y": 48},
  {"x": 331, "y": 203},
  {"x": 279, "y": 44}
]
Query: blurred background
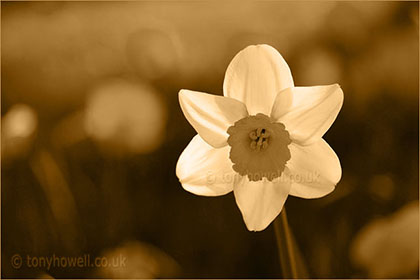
[{"x": 92, "y": 130}]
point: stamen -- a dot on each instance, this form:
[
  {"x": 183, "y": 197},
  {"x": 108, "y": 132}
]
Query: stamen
[
  {"x": 265, "y": 144},
  {"x": 266, "y": 134},
  {"x": 253, "y": 135},
  {"x": 253, "y": 145},
  {"x": 259, "y": 139}
]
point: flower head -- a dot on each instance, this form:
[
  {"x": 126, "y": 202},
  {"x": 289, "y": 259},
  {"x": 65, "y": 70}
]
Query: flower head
[{"x": 262, "y": 139}]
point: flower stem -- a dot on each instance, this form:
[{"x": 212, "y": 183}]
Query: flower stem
[{"x": 285, "y": 246}]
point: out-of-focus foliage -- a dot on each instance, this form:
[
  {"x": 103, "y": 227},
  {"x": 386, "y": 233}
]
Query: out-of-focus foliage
[{"x": 92, "y": 130}]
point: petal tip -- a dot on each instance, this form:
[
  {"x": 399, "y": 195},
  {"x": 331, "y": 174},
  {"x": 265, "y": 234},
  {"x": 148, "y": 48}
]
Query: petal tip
[
  {"x": 183, "y": 93},
  {"x": 261, "y": 46},
  {"x": 257, "y": 227},
  {"x": 255, "y": 75},
  {"x": 337, "y": 87}
]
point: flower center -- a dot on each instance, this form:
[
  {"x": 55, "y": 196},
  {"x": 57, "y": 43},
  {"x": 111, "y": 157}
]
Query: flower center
[
  {"x": 259, "y": 138},
  {"x": 258, "y": 147}
]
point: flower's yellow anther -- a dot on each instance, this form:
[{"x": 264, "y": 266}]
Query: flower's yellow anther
[
  {"x": 253, "y": 135},
  {"x": 265, "y": 144},
  {"x": 253, "y": 145},
  {"x": 259, "y": 139}
]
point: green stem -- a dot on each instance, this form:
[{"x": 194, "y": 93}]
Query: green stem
[{"x": 285, "y": 246}]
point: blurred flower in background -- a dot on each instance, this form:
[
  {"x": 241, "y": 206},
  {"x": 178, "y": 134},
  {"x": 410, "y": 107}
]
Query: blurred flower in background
[
  {"x": 18, "y": 129},
  {"x": 124, "y": 117},
  {"x": 389, "y": 247},
  {"x": 139, "y": 261}
]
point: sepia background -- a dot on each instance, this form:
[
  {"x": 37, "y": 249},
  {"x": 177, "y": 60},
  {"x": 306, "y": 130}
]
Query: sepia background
[{"x": 91, "y": 132}]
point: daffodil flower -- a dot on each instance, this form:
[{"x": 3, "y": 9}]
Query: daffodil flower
[{"x": 262, "y": 139}]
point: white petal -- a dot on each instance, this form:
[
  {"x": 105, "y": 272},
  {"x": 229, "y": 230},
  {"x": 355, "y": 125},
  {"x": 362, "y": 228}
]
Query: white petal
[
  {"x": 211, "y": 115},
  {"x": 282, "y": 103},
  {"x": 314, "y": 170},
  {"x": 255, "y": 76},
  {"x": 260, "y": 202},
  {"x": 313, "y": 111},
  {"x": 204, "y": 170}
]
